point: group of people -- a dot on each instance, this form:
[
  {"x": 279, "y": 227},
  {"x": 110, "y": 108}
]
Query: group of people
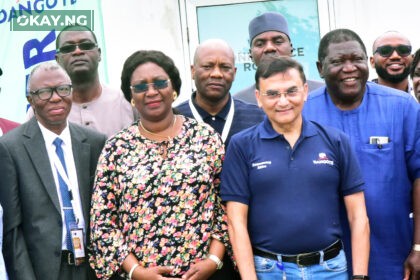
[{"x": 311, "y": 181}]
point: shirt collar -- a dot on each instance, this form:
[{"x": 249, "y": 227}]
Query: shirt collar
[
  {"x": 266, "y": 130},
  {"x": 50, "y": 136},
  {"x": 204, "y": 114}
]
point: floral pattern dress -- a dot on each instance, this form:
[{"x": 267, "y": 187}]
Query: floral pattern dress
[{"x": 163, "y": 209}]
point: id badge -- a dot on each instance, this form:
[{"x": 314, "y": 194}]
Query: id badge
[{"x": 77, "y": 243}]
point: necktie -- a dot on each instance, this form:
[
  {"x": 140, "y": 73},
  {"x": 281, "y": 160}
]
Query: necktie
[{"x": 69, "y": 216}]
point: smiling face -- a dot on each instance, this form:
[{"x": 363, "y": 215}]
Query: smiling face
[
  {"x": 396, "y": 67},
  {"x": 79, "y": 63},
  {"x": 345, "y": 71},
  {"x": 51, "y": 113},
  {"x": 283, "y": 111},
  {"x": 153, "y": 104},
  {"x": 213, "y": 70}
]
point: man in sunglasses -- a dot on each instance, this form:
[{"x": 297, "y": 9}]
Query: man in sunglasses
[
  {"x": 384, "y": 129},
  {"x": 392, "y": 59},
  {"x": 95, "y": 105},
  {"x": 47, "y": 167}
]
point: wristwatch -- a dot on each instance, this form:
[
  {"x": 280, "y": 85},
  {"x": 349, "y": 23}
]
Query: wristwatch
[
  {"x": 215, "y": 259},
  {"x": 362, "y": 277}
]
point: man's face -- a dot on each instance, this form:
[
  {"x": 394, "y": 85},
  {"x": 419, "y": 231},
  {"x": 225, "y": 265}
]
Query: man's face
[
  {"x": 416, "y": 81},
  {"x": 269, "y": 44},
  {"x": 396, "y": 67},
  {"x": 284, "y": 111},
  {"x": 213, "y": 72},
  {"x": 345, "y": 70},
  {"x": 78, "y": 62},
  {"x": 50, "y": 113}
]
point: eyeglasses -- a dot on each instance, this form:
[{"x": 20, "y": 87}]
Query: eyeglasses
[
  {"x": 387, "y": 50},
  {"x": 144, "y": 87},
  {"x": 46, "y": 93},
  {"x": 85, "y": 46},
  {"x": 273, "y": 94}
]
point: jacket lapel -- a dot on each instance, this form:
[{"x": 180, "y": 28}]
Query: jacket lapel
[
  {"x": 81, "y": 154},
  {"x": 35, "y": 146}
]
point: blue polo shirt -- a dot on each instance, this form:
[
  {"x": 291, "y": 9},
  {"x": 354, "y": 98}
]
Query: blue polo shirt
[
  {"x": 293, "y": 194},
  {"x": 246, "y": 115},
  {"x": 389, "y": 169}
]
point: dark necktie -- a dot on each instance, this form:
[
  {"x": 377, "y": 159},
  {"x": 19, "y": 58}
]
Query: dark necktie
[{"x": 66, "y": 195}]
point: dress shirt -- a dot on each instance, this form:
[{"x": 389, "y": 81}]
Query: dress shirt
[{"x": 49, "y": 138}]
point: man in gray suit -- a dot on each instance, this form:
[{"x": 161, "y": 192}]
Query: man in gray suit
[
  {"x": 45, "y": 185},
  {"x": 269, "y": 37}
]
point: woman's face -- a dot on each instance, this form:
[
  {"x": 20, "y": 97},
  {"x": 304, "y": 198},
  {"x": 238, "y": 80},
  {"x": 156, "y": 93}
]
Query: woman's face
[{"x": 152, "y": 91}]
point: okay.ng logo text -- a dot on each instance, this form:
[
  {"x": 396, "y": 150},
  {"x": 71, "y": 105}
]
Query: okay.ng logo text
[{"x": 52, "y": 19}]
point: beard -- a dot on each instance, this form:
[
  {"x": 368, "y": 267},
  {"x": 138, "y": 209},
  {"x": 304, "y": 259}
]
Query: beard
[{"x": 392, "y": 78}]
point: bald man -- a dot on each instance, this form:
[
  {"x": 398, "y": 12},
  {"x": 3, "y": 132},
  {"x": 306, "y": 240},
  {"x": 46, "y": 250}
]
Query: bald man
[
  {"x": 213, "y": 72},
  {"x": 392, "y": 59}
]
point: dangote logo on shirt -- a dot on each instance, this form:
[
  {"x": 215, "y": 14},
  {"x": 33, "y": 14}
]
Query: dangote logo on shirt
[
  {"x": 261, "y": 165},
  {"x": 323, "y": 159}
]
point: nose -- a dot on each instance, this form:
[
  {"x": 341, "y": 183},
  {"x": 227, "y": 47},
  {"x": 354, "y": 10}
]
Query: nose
[
  {"x": 349, "y": 66},
  {"x": 55, "y": 97},
  {"x": 394, "y": 54},
  {"x": 270, "y": 47},
  {"x": 216, "y": 72}
]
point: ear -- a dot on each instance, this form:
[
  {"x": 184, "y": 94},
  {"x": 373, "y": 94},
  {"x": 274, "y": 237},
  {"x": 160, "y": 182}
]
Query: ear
[
  {"x": 192, "y": 72},
  {"x": 100, "y": 54},
  {"x": 372, "y": 62},
  {"x": 305, "y": 91},
  {"x": 31, "y": 102},
  {"x": 257, "y": 96},
  {"x": 319, "y": 67}
]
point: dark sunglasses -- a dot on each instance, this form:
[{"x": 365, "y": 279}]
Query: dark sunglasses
[
  {"x": 46, "y": 93},
  {"x": 387, "y": 50},
  {"x": 86, "y": 46},
  {"x": 144, "y": 87}
]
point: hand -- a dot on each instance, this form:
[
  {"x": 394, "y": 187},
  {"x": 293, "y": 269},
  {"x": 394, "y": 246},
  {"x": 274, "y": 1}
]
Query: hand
[
  {"x": 201, "y": 270},
  {"x": 152, "y": 273},
  {"x": 412, "y": 266}
]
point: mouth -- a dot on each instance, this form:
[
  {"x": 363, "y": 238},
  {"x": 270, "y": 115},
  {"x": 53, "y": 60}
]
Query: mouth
[
  {"x": 395, "y": 66},
  {"x": 350, "y": 81},
  {"x": 57, "y": 110},
  {"x": 216, "y": 85},
  {"x": 155, "y": 103},
  {"x": 78, "y": 62}
]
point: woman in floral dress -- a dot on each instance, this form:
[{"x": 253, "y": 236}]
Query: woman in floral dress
[{"x": 156, "y": 211}]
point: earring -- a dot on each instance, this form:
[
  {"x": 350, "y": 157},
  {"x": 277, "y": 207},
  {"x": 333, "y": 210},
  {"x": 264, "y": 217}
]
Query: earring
[
  {"x": 132, "y": 102},
  {"x": 175, "y": 95}
]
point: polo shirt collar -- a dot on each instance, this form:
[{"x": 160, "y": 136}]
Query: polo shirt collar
[
  {"x": 204, "y": 114},
  {"x": 266, "y": 130}
]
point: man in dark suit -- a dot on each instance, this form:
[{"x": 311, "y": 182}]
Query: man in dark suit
[{"x": 41, "y": 187}]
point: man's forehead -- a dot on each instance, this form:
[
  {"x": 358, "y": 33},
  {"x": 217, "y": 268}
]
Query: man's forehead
[
  {"x": 74, "y": 36},
  {"x": 268, "y": 35}
]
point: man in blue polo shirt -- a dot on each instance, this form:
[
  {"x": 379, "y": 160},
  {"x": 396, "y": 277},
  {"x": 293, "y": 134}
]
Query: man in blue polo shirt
[
  {"x": 283, "y": 181},
  {"x": 213, "y": 72},
  {"x": 384, "y": 129}
]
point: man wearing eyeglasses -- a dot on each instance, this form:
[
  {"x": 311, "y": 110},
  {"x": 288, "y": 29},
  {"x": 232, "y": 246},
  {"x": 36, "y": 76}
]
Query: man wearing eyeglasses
[
  {"x": 384, "y": 129},
  {"x": 283, "y": 181},
  {"x": 95, "y": 105},
  {"x": 392, "y": 59},
  {"x": 47, "y": 166}
]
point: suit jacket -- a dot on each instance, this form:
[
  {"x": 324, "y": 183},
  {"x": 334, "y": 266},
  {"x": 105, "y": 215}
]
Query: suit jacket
[{"x": 32, "y": 215}]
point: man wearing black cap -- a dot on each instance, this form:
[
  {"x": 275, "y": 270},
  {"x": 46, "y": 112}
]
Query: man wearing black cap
[
  {"x": 269, "y": 37},
  {"x": 6, "y": 125}
]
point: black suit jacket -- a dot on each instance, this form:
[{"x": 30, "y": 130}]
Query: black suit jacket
[{"x": 32, "y": 214}]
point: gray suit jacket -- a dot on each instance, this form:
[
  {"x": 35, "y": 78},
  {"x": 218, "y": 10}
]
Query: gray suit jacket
[
  {"x": 248, "y": 94},
  {"x": 32, "y": 214}
]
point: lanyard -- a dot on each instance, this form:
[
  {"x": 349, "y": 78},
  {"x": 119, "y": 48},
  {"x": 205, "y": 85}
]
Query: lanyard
[
  {"x": 228, "y": 123},
  {"x": 60, "y": 169}
]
